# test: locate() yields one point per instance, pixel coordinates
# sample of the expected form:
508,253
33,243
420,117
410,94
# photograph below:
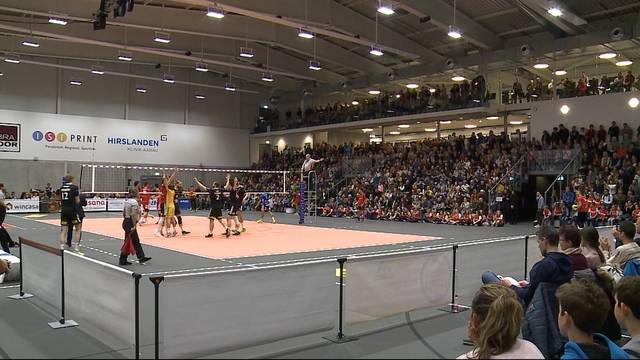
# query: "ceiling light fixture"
397,96
162,37
493,117
375,51
374,92
366,130
12,58
457,78
246,52
404,126
200,96
169,78
141,89
413,86
31,43
314,65
268,77
394,132
633,102
75,82
470,126
202,67
432,90
516,122
230,87
445,122
97,69
58,20
554,11
305,34
454,33
607,55
385,9
430,129
215,12
564,109
125,55
541,65
355,102
560,72
624,63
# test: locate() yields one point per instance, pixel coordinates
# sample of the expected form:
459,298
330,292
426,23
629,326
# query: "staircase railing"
561,177
510,171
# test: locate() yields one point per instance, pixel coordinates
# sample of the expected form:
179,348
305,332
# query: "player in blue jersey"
265,204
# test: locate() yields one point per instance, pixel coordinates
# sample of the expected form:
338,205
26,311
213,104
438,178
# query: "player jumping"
265,205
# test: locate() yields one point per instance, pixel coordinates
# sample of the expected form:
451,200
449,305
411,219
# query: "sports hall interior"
447,134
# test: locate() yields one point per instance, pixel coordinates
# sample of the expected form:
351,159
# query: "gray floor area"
428,333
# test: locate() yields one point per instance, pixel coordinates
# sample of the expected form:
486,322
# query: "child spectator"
627,311
583,308
494,326
590,246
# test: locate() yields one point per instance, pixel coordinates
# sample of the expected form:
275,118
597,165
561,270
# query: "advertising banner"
96,204
115,204
23,205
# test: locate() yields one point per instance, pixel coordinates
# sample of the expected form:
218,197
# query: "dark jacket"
540,324
555,268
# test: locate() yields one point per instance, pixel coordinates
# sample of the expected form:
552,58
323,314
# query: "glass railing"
551,160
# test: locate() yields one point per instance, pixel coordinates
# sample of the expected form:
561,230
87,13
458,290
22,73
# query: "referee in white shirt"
307,166
131,214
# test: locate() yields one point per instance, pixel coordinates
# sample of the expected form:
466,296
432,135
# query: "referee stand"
308,196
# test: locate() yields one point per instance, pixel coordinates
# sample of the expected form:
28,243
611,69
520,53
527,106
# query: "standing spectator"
583,309
494,326
629,79
614,131
540,210
627,311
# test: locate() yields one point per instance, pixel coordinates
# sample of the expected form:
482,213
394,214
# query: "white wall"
37,88
596,110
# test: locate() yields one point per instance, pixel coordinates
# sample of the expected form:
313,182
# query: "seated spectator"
569,242
555,267
583,309
590,245
494,326
626,248
627,310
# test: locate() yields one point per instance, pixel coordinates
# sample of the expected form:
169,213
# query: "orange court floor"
258,240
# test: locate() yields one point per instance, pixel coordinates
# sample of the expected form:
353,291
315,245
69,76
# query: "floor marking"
14,226
9,286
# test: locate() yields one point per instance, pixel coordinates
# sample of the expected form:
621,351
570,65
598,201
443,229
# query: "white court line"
9,286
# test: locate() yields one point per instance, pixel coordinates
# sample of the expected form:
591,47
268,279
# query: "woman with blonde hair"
494,326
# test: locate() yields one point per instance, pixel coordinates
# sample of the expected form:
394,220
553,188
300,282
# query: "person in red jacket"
546,215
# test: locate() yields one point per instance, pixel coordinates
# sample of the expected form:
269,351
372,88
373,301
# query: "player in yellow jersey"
169,205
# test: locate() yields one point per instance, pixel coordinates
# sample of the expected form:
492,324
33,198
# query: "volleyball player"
216,197
160,206
265,207
360,199
179,192
233,205
170,206
70,198
145,197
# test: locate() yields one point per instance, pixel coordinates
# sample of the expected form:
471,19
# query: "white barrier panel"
533,255
95,204
101,294
388,285
42,274
22,205
115,204
202,314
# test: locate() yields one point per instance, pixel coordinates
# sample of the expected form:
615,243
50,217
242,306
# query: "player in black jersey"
179,193
70,199
233,204
216,196
241,199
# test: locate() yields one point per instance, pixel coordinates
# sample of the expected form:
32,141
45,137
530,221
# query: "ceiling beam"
442,15
568,22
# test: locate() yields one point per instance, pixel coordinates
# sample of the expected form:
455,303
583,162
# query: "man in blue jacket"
583,310
555,267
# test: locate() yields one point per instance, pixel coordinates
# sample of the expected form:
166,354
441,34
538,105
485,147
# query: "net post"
22,294
454,307
136,280
284,181
341,337
62,323
526,255
156,284
93,178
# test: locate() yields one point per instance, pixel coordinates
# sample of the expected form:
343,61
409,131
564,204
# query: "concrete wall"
596,110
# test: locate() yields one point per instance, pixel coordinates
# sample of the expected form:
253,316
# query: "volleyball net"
104,179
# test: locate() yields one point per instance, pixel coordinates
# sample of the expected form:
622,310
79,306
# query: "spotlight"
376,51
430,129
404,126
470,126
268,77
169,78
75,82
97,69
202,67
394,132
445,122
564,109
31,43
374,92
432,90
230,87
454,32
305,34
246,52
397,96
413,86
314,65
125,55
633,102
162,37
